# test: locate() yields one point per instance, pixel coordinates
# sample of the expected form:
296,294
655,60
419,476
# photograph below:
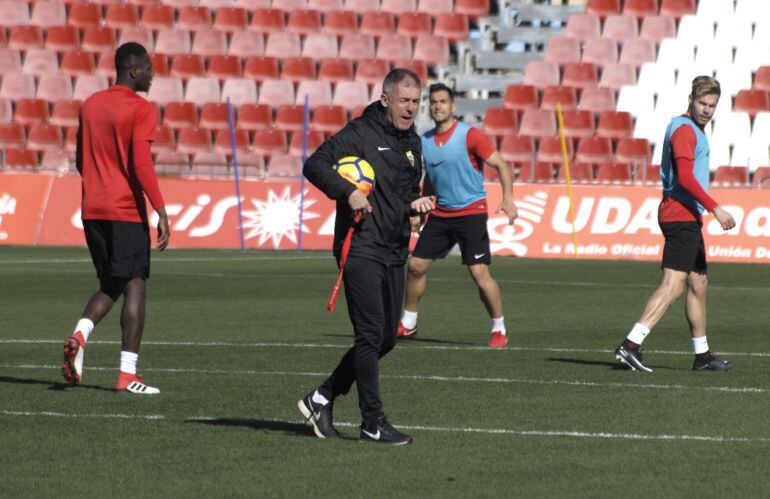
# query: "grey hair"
396,76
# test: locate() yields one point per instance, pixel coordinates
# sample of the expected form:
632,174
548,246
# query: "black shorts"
440,234
685,249
118,249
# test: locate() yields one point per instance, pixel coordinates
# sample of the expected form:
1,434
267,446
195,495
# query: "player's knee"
416,268
480,273
112,286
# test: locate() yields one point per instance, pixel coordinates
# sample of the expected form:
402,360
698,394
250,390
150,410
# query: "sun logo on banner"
507,237
277,217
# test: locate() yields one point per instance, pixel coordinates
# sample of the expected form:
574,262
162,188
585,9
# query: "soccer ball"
357,171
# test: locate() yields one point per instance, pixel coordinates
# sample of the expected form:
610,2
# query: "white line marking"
465,379
70,415
411,346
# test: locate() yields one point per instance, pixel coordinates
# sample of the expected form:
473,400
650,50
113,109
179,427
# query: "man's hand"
163,230
423,204
414,223
509,208
724,218
358,202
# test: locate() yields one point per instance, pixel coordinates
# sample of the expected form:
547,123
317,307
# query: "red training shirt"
114,158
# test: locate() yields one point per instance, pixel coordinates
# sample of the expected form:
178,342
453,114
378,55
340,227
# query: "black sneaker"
632,357
320,416
384,433
710,362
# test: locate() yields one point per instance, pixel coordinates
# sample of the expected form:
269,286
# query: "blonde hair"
705,85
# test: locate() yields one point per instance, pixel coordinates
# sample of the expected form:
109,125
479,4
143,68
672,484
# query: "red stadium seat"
170,162
173,42
351,94
202,90
254,117
158,16
762,79
357,47
656,28
14,12
521,97
62,39
17,86
290,5
581,173
12,135
84,15
56,161
298,69
536,172
48,14
518,149
562,50
378,24
615,125
276,93
319,93
65,113
394,47
326,6
186,66
70,140
413,24
538,123
419,67
89,84
617,76
313,141
550,151
121,16
677,8
194,19
179,115
566,96
245,44
398,7
597,100
138,34
601,51
193,140
25,38
603,8
44,137
578,123
583,27
620,28
580,75
269,141
282,45
434,50
303,22
640,8
340,23
261,68
752,102
633,151
22,159
594,150
335,70
223,143
499,122
435,7
40,61
164,139
452,26
731,176
240,91
472,8
52,87
761,177
542,74
6,111
225,66
362,5
283,165
638,52
268,21
160,65
99,39
231,19
10,61
214,116
320,46
208,43
372,71
165,89
614,173
328,119
31,112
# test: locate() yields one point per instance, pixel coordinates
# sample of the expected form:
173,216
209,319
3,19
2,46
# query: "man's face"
702,108
442,109
142,74
401,107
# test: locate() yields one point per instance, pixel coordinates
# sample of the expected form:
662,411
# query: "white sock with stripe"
128,362
84,326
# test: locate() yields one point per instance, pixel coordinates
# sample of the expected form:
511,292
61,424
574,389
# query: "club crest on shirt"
410,157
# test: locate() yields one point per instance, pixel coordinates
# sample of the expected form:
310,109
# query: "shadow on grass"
52,385
291,429
413,340
617,366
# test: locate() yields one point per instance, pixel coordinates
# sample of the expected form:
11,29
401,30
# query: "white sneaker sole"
633,368
309,418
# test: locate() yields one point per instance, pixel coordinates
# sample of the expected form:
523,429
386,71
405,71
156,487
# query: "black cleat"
320,416
710,363
384,433
632,358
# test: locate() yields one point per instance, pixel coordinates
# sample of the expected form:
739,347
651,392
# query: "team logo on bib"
410,157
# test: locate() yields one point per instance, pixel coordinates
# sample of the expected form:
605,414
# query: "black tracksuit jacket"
396,157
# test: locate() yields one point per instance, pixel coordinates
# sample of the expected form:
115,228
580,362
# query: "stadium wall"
612,222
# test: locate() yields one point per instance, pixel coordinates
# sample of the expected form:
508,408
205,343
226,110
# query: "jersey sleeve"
478,144
683,142
145,123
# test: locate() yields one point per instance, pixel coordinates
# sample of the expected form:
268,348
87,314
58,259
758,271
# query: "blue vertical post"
231,125
305,126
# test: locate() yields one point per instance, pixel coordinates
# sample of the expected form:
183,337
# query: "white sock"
128,362
498,325
638,333
700,345
85,326
319,399
409,319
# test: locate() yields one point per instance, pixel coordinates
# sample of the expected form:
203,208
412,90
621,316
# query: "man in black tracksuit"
374,272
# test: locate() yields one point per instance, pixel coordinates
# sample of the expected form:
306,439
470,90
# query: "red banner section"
610,222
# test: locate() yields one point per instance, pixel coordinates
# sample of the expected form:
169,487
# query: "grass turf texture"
556,418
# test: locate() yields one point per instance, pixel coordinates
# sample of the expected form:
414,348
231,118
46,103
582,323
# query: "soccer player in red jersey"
114,159
685,175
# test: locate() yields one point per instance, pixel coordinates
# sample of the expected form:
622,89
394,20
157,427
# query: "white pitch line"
541,433
70,415
411,346
461,379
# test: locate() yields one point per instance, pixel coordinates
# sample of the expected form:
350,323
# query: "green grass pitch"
233,341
